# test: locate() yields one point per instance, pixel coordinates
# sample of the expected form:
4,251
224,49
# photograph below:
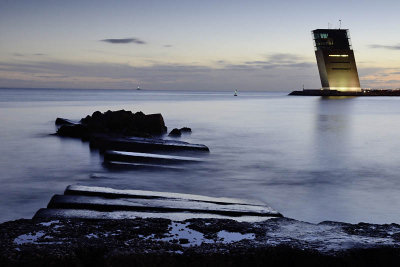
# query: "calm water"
311,158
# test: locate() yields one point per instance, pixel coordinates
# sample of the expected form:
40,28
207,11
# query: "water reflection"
332,133
331,157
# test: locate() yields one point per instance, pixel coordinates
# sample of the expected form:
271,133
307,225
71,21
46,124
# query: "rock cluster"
178,132
119,122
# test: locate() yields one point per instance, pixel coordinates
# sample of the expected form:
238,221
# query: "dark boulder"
155,124
178,132
175,133
186,130
78,131
62,121
119,122
125,122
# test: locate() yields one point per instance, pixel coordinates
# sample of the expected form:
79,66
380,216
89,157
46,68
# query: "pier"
317,92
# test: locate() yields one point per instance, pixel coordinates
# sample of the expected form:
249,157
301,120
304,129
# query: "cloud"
276,61
366,71
240,67
283,58
24,55
112,70
53,76
273,73
301,65
257,62
377,71
393,81
379,77
390,47
124,41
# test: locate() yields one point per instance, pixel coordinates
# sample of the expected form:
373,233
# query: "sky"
190,45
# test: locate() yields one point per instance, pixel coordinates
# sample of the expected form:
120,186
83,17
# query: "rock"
93,202
119,122
183,241
135,157
186,130
178,132
175,133
145,145
154,123
62,121
197,242
78,131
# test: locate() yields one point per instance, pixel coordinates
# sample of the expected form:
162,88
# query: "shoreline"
151,241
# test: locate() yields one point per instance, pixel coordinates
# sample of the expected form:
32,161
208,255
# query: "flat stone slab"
156,205
138,144
108,203
205,242
120,165
136,157
129,193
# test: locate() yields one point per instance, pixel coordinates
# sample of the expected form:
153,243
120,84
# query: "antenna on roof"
340,23
329,25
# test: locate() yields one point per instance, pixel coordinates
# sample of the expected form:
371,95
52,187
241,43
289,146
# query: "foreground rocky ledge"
198,242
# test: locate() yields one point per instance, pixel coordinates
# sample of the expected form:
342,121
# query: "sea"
311,158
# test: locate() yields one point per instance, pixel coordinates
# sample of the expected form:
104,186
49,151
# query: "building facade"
335,59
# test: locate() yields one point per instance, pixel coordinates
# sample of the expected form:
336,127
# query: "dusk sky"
189,45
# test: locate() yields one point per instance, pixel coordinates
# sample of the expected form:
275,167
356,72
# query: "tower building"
335,59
